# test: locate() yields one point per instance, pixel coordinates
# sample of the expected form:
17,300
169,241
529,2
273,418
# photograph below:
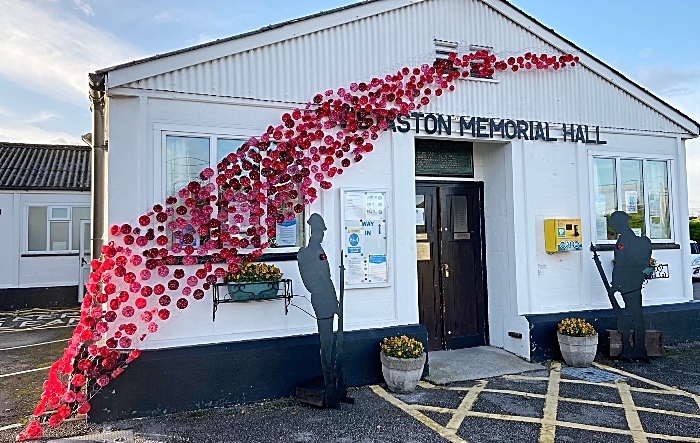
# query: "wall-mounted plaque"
444,158
423,250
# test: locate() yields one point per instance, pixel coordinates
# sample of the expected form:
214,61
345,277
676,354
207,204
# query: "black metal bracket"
285,292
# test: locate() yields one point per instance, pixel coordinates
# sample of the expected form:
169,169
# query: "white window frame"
213,134
50,209
49,219
644,158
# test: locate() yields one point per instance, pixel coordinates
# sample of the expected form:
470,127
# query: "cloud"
681,89
667,80
204,38
52,52
33,134
40,117
84,7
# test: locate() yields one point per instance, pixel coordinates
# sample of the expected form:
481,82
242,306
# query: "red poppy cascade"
151,271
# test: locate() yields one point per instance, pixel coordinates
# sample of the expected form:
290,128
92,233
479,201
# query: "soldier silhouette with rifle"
316,275
632,255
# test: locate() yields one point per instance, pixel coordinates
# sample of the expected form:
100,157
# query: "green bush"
695,230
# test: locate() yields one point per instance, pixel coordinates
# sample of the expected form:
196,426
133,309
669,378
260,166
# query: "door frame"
451,182
82,257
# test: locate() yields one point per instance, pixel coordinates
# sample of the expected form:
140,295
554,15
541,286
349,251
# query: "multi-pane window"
187,156
638,187
55,228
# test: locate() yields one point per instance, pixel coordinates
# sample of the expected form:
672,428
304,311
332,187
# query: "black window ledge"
51,254
654,246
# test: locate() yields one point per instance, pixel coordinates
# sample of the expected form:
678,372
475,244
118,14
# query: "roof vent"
475,65
443,48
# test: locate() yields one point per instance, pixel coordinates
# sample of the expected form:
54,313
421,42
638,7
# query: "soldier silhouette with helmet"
632,255
316,275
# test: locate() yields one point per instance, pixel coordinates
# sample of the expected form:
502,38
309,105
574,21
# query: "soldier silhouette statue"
632,256
316,274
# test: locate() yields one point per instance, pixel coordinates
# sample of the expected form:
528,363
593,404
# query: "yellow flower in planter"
402,347
576,327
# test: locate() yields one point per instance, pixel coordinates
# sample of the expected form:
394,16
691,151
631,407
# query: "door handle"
446,269
83,262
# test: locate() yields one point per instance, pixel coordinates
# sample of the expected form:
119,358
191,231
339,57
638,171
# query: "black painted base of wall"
198,377
678,323
48,297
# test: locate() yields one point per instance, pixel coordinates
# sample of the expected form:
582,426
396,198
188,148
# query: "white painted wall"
135,163
524,183
18,267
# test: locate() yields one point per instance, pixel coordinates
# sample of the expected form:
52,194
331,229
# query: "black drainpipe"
99,162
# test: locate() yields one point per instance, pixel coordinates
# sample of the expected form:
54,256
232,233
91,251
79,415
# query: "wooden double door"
451,273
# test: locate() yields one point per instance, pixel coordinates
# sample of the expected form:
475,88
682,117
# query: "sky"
47,48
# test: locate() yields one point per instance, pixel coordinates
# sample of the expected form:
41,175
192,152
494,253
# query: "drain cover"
126,436
590,374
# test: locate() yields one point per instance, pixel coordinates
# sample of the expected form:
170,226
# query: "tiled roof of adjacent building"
44,167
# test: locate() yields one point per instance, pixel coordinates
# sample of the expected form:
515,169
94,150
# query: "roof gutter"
99,162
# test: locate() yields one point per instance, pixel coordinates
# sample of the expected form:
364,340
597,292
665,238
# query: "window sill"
50,254
270,256
654,246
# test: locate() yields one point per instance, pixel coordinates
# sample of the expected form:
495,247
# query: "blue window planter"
253,291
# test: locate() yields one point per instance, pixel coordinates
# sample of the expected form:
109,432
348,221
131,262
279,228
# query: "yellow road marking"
551,403
434,409
633,421
650,382
448,434
466,405
668,391
428,385
548,423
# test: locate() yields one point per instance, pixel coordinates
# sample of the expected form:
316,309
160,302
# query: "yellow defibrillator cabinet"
562,234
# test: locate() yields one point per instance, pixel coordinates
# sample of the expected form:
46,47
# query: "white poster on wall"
601,228
654,204
364,240
420,216
355,206
376,268
287,233
375,206
631,201
600,204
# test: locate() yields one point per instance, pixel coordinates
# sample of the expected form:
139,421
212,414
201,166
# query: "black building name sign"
492,128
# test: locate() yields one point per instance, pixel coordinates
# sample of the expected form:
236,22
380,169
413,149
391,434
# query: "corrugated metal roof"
44,167
247,74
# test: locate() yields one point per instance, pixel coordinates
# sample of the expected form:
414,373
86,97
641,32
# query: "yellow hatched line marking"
413,411
466,405
593,402
584,427
518,393
428,385
434,409
551,403
667,391
549,421
650,382
633,421
674,438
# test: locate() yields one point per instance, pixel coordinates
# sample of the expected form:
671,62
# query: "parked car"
694,260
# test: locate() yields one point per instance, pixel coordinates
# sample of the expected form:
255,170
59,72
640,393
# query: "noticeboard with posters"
364,215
